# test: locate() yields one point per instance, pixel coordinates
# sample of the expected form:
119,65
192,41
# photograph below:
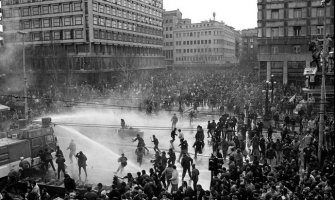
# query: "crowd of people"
258,163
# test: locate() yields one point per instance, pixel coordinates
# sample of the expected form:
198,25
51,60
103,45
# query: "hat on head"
21,158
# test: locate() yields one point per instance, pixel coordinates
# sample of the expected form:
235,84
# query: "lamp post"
266,115
24,74
323,83
272,87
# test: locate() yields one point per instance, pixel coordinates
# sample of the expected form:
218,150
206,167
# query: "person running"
156,142
174,121
140,153
123,163
72,147
82,163
197,148
140,143
173,134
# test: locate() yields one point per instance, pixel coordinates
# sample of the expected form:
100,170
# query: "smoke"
11,68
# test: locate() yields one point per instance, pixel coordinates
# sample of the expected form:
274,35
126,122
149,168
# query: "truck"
25,141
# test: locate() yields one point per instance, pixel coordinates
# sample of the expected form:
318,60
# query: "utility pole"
323,62
24,74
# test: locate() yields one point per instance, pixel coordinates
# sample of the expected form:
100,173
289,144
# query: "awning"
3,108
310,71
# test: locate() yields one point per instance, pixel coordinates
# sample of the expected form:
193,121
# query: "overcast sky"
240,14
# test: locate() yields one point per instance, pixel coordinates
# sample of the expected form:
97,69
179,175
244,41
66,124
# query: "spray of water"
101,163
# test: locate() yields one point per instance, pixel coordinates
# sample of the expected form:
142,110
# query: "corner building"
170,21
96,38
205,44
285,27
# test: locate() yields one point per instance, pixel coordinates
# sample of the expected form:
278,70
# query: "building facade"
285,27
170,21
249,49
95,38
209,43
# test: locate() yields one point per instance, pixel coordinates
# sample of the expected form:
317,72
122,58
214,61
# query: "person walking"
167,172
48,158
72,147
270,132
174,121
270,156
197,148
60,161
183,148
195,176
82,163
172,157
186,163
174,180
123,163
156,142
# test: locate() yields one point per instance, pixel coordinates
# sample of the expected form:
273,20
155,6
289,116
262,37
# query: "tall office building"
285,27
94,38
170,21
204,44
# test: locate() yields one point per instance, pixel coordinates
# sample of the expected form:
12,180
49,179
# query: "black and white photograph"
167,100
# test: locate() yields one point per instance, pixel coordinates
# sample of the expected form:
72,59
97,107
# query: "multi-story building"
170,21
209,43
285,27
249,49
94,38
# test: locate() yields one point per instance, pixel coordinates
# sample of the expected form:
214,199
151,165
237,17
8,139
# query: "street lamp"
24,74
266,114
272,87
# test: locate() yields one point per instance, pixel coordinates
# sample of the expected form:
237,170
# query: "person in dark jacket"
59,152
186,163
60,161
172,157
48,158
199,193
90,195
69,184
173,134
82,163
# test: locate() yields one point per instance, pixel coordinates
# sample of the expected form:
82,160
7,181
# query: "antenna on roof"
214,14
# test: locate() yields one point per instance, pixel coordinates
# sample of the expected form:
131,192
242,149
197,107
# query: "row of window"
52,35
42,10
291,31
105,8
116,36
296,13
204,33
195,42
155,3
276,49
50,22
179,43
201,58
127,3
205,50
131,15
112,23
